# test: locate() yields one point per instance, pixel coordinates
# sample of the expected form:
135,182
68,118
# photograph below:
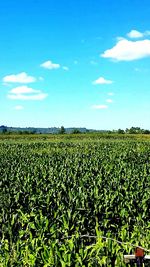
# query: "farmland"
65,199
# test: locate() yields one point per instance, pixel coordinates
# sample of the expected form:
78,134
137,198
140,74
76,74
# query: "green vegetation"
62,130
55,130
57,192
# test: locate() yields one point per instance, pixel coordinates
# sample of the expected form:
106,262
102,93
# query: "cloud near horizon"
99,107
109,100
126,50
22,77
110,93
102,80
18,107
26,93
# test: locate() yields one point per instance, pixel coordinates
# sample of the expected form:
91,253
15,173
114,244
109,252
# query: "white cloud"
65,68
102,80
99,107
135,34
50,65
41,78
19,78
111,93
126,50
23,90
26,93
109,100
18,107
40,96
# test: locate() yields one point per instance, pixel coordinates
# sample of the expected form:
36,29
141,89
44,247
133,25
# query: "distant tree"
76,131
120,131
4,131
62,130
3,128
146,131
33,131
26,132
134,130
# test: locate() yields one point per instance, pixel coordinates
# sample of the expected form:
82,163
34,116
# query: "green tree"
3,129
62,130
120,131
76,131
135,130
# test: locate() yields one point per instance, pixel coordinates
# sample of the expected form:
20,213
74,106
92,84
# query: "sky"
76,63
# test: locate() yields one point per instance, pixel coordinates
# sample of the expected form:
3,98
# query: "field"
66,200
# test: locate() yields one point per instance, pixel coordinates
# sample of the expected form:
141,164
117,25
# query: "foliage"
75,131
137,130
120,131
58,193
62,130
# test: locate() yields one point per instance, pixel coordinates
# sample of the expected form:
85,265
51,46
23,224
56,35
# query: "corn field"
65,201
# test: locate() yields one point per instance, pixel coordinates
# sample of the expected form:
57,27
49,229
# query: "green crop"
64,202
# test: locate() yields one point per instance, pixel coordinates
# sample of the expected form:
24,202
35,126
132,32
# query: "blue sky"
83,63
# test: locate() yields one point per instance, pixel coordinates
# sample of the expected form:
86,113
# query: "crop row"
58,199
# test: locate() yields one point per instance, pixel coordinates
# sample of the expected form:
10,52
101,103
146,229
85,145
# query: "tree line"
63,130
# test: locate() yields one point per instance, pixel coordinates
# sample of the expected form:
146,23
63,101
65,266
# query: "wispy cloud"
75,62
93,62
65,68
22,77
18,107
40,96
41,78
142,69
111,93
102,80
126,50
137,69
109,100
50,65
26,93
99,107
134,34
